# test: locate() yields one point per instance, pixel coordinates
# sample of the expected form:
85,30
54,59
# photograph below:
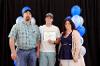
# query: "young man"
25,35
49,36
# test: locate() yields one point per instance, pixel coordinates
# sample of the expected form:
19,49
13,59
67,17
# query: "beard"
27,18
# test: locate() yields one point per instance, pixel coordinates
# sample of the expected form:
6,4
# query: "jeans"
26,57
47,58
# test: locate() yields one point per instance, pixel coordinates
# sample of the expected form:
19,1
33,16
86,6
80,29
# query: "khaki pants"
72,63
66,63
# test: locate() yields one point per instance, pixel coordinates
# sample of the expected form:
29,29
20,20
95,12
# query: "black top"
66,47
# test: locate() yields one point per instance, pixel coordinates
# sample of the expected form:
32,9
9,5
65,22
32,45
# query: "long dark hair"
72,25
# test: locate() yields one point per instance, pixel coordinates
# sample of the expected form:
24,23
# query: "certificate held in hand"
50,35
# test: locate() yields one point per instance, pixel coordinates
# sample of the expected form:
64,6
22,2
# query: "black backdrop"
10,10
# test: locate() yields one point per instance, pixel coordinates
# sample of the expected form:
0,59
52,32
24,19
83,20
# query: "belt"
26,49
66,44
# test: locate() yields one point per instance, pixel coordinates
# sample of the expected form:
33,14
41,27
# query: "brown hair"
72,25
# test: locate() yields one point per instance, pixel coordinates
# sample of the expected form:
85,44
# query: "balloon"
14,63
75,10
68,17
82,50
19,19
77,20
33,21
82,40
81,30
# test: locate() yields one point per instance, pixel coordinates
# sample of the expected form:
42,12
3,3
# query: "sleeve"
13,32
38,33
77,39
58,33
77,44
40,29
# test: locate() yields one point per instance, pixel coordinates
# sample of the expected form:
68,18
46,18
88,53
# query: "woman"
69,53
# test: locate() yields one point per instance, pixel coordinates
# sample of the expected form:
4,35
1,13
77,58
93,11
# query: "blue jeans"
47,58
26,57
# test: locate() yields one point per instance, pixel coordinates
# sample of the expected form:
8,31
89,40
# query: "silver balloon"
83,50
77,20
19,19
33,21
82,40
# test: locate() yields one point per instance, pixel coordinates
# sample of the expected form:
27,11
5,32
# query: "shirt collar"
27,23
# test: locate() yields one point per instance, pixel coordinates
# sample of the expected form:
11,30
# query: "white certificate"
49,36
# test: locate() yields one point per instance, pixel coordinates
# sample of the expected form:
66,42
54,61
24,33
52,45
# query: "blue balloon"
14,63
68,17
75,10
81,30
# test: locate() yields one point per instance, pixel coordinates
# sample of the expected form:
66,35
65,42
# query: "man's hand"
37,54
12,48
54,42
38,49
13,55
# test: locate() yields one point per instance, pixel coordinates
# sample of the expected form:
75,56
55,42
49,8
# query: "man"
49,36
25,35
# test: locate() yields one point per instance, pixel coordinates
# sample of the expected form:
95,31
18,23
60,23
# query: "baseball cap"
25,9
49,14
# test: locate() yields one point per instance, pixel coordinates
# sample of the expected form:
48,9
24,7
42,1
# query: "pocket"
33,32
21,32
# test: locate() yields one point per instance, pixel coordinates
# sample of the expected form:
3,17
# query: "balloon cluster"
78,21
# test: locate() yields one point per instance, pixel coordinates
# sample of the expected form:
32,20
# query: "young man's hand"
50,41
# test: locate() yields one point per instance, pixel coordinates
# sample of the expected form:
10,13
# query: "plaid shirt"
25,34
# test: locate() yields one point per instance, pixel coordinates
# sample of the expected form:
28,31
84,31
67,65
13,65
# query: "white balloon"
77,20
82,50
82,40
19,19
33,21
